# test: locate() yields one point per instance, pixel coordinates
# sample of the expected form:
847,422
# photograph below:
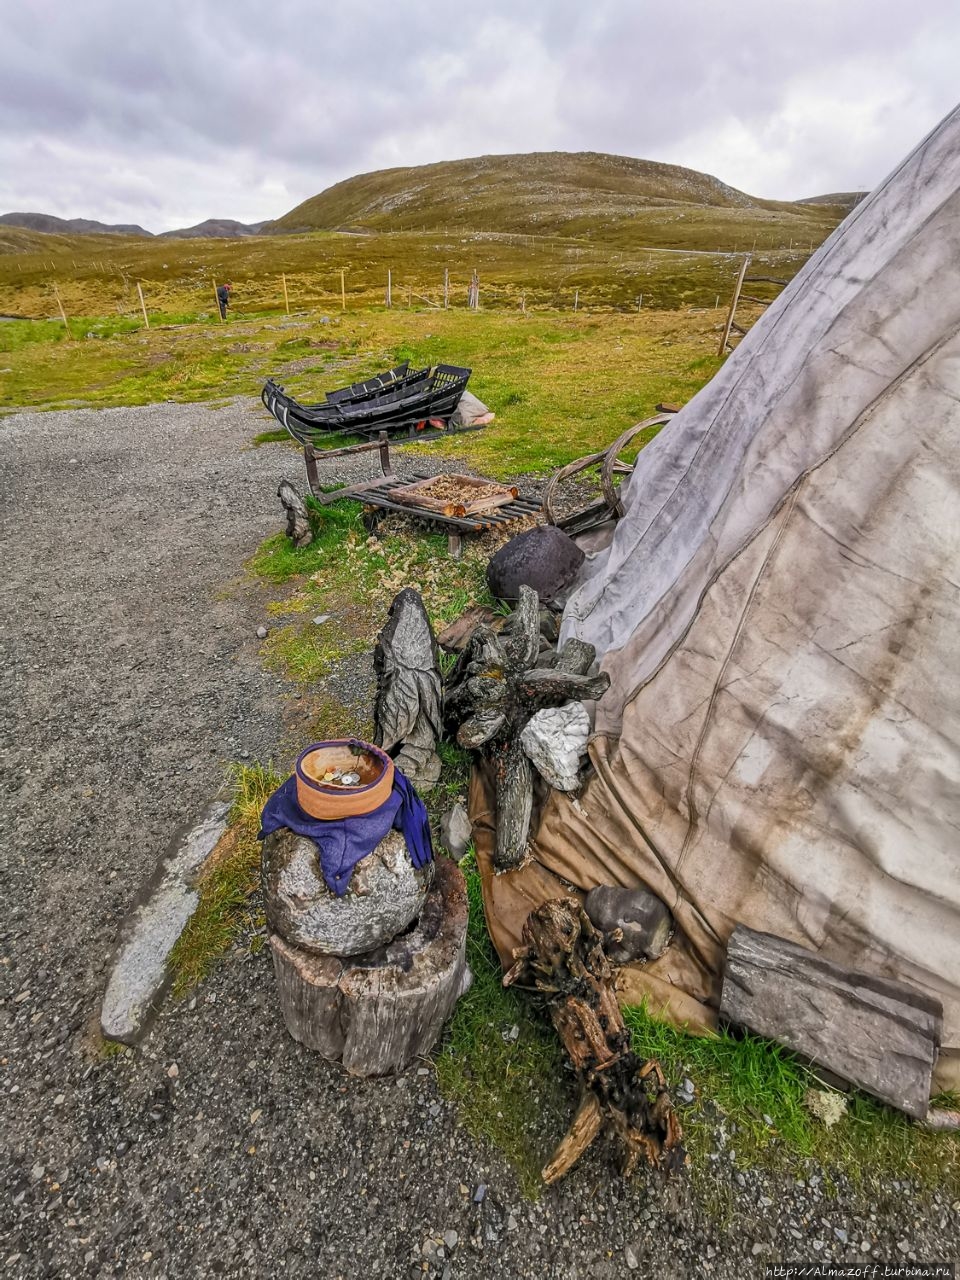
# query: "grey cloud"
172,112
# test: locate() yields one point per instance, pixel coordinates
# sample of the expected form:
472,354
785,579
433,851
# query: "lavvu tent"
779,613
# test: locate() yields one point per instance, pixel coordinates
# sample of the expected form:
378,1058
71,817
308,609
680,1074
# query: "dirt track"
130,676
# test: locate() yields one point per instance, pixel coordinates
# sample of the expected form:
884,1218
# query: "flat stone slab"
141,965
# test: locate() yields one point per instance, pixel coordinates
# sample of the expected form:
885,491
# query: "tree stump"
563,957
376,1013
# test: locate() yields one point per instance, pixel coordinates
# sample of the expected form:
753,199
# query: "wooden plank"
881,1035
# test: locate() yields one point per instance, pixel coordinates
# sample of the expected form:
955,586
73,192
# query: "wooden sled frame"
609,507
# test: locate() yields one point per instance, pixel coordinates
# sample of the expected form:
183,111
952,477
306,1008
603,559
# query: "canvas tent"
779,615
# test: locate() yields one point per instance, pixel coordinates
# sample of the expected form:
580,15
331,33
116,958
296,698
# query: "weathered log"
379,1012
563,957
298,518
455,637
494,689
872,1031
407,709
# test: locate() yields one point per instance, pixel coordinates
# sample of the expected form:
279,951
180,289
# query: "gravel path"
130,676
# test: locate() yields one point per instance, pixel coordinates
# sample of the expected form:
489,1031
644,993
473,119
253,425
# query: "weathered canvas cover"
779,615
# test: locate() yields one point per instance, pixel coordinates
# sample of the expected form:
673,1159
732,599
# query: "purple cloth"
344,841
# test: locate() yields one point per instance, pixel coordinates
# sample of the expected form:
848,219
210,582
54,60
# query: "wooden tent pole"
733,306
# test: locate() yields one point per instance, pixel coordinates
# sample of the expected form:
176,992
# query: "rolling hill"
213,229
551,193
51,225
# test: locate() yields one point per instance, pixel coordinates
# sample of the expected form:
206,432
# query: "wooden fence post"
343,291
286,300
733,305
63,314
576,299
143,305
389,288
446,288
640,302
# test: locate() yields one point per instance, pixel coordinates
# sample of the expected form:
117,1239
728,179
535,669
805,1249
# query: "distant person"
223,297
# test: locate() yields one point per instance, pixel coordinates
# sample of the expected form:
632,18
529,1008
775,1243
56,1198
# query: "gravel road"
130,676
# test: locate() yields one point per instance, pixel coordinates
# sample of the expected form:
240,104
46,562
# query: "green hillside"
586,195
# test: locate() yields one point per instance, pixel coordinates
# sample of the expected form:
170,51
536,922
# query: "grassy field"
673,258
561,384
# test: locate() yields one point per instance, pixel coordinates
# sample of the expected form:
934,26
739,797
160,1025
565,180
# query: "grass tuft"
224,912
751,1091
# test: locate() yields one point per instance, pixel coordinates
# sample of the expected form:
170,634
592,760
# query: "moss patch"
225,912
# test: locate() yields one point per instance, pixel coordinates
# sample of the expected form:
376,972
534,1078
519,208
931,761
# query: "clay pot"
327,802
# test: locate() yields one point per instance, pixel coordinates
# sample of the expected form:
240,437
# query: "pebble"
630,1258
173,1071
480,1193
321,618
262,633
451,1239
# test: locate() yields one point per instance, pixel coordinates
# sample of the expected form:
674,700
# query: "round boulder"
544,558
386,893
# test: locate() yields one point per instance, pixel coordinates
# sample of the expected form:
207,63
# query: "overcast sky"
177,110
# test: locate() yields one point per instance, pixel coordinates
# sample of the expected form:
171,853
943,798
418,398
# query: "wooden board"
878,1034
418,494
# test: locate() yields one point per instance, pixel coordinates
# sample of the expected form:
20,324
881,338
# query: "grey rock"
451,1239
555,741
645,921
385,893
262,633
630,1258
480,1194
140,971
456,831
544,558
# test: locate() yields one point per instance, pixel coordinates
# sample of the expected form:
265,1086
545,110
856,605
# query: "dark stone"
643,918
544,558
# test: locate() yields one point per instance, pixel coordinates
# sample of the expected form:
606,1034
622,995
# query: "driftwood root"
562,956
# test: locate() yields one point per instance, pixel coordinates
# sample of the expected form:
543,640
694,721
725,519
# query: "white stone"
555,739
141,968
